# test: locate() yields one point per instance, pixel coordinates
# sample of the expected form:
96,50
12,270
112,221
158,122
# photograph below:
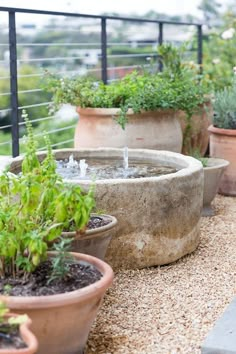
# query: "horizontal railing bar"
51,131
35,105
57,144
5,143
5,126
30,91
38,120
5,110
131,55
50,59
78,44
73,14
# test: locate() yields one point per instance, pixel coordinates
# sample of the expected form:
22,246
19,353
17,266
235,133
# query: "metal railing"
105,69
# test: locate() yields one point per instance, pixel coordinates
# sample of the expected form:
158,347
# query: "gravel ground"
170,309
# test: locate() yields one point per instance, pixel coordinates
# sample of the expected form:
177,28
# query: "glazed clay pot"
27,336
94,241
212,177
158,130
62,322
223,145
197,138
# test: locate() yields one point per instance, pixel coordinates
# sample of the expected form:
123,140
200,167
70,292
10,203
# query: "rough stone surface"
222,339
158,217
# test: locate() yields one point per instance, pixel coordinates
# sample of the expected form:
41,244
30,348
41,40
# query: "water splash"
83,168
126,158
72,163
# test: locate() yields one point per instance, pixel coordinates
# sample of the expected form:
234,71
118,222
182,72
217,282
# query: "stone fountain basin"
158,217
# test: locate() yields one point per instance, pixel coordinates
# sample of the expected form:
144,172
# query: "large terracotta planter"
95,241
158,130
196,137
62,322
27,336
212,177
223,145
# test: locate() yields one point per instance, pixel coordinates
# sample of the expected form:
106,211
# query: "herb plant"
30,218
178,87
224,106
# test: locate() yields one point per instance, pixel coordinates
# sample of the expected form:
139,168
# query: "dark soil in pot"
97,221
38,283
10,337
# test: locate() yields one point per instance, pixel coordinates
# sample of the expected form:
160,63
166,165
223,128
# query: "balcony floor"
170,309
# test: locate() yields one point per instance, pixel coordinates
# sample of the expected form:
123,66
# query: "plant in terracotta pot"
195,108
213,172
15,335
60,291
144,104
223,135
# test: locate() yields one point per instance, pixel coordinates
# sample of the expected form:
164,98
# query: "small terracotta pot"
95,241
27,336
62,322
212,176
197,138
158,130
223,145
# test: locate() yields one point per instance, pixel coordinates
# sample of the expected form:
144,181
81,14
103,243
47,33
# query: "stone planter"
159,130
212,176
62,322
27,336
197,137
223,145
95,241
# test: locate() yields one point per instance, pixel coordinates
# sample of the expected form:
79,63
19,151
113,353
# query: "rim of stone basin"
187,164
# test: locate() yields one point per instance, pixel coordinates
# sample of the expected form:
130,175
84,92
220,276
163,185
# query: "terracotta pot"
95,241
223,145
27,336
158,130
62,322
212,176
197,138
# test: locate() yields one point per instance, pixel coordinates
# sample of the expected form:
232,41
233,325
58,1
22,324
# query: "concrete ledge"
4,161
222,338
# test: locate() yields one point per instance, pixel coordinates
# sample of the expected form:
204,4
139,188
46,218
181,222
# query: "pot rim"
222,163
90,111
221,131
68,298
93,232
27,336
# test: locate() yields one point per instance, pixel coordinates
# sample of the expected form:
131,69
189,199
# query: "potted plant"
15,335
194,107
213,171
144,103
223,135
60,291
96,235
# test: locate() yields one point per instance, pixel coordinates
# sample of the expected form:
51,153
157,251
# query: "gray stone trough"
158,217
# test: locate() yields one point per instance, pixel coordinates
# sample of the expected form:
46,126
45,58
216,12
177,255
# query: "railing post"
13,85
160,41
199,46
104,49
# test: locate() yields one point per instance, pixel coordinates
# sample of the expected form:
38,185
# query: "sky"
171,7
122,7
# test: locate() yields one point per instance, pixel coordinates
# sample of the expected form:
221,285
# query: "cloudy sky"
97,6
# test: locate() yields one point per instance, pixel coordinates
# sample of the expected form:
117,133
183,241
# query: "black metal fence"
108,62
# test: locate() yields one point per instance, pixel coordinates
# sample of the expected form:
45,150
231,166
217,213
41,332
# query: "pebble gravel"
170,309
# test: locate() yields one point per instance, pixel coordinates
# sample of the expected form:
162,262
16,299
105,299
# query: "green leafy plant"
224,106
12,320
178,87
197,155
29,215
